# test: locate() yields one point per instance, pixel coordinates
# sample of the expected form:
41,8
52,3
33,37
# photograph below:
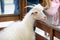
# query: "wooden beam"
56,34
9,17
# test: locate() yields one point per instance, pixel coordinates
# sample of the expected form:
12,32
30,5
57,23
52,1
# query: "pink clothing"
54,6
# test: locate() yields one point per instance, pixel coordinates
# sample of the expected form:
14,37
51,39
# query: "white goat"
23,30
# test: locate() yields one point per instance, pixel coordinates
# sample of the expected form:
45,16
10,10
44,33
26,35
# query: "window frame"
11,17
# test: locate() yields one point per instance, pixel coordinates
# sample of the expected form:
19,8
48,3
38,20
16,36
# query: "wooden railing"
52,30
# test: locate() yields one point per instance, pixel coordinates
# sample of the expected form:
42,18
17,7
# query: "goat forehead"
35,10
39,7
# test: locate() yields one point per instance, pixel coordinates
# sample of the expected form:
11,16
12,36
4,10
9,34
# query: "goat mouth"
43,19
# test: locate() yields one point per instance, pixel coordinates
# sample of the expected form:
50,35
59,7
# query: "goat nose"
45,17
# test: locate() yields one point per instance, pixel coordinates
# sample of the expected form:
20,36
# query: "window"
30,2
9,7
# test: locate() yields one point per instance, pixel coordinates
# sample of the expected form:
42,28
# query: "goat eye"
36,12
32,13
43,11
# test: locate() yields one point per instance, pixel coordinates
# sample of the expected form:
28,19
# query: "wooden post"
22,9
51,35
59,15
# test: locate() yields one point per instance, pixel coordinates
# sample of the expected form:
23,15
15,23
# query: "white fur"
23,30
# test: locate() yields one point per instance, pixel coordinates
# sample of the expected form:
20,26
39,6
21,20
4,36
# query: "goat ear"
34,13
